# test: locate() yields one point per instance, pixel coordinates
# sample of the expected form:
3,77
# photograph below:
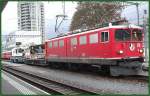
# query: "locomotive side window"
104,36
93,38
61,43
136,35
55,43
82,40
74,41
122,35
50,44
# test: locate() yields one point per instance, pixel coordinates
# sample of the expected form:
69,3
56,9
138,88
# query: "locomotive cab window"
39,48
74,41
104,36
82,40
136,35
93,38
122,35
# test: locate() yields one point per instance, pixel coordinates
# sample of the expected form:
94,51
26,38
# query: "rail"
50,86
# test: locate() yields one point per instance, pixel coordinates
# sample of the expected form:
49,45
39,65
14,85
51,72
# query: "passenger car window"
74,41
82,40
104,36
61,43
93,38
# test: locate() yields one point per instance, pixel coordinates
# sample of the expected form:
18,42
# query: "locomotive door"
72,47
105,45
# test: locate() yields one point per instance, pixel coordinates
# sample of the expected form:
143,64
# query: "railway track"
141,78
49,86
97,73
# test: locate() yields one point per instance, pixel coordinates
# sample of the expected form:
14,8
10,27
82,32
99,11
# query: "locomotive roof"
94,30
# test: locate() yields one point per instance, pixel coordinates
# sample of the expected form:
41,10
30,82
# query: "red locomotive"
6,55
118,49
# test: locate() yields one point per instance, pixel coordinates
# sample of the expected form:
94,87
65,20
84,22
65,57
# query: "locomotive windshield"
36,49
127,35
122,35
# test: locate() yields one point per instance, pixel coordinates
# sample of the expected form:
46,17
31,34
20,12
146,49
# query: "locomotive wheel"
64,65
14,61
105,70
73,66
52,65
26,62
69,66
55,65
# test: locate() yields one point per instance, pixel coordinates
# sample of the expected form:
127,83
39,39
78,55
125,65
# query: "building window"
61,43
82,40
55,44
74,41
50,44
93,38
104,36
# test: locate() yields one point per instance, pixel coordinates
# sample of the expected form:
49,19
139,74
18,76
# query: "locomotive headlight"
120,52
141,50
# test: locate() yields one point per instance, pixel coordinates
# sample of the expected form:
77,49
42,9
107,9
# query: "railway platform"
12,85
89,82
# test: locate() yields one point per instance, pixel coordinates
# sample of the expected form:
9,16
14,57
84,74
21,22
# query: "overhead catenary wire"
63,16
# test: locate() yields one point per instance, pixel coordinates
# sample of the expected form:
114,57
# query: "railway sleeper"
57,88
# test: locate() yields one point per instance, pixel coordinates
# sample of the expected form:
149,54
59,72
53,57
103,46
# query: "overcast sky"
9,14
53,8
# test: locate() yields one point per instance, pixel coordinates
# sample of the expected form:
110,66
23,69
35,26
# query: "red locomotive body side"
94,50
79,51
94,46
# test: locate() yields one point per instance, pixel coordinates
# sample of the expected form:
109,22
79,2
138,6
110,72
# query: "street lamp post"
146,34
